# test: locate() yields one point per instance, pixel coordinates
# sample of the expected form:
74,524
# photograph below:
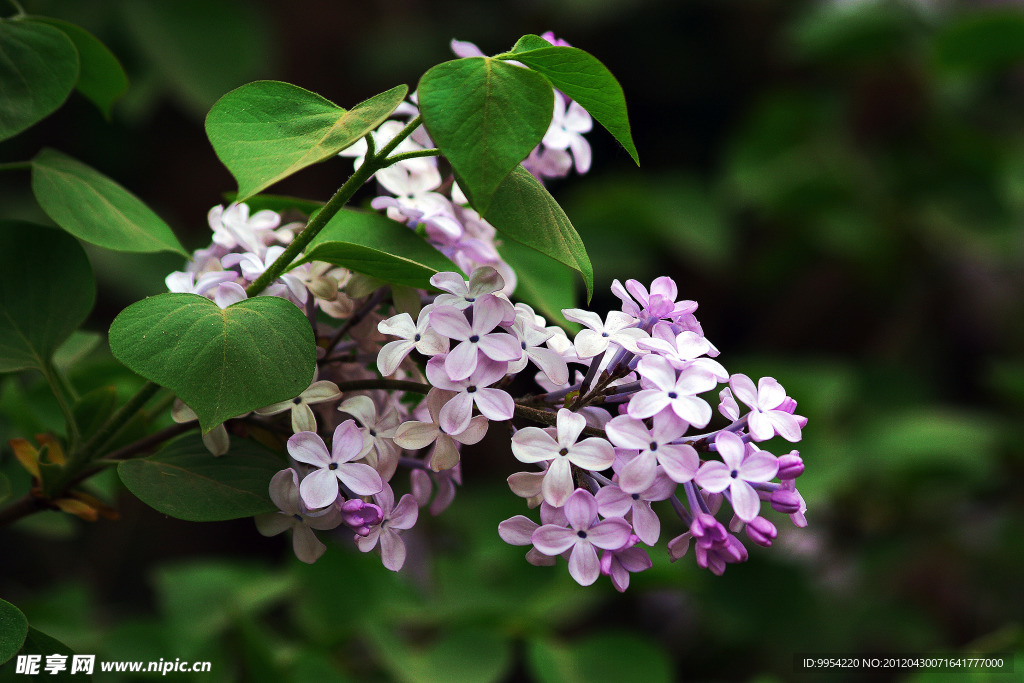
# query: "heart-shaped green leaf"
375,245
96,209
486,116
101,79
13,629
221,362
46,291
524,211
184,481
267,130
582,77
38,70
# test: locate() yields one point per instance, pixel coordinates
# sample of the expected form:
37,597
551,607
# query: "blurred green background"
841,187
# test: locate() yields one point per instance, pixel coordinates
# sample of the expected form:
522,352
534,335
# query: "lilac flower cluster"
616,454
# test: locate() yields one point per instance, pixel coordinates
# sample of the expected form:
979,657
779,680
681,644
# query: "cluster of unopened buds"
618,439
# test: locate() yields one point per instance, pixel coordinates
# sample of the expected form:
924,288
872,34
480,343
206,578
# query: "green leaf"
524,211
96,209
486,116
100,78
220,362
13,629
582,77
38,70
267,130
462,654
545,284
38,643
184,481
78,346
46,291
375,245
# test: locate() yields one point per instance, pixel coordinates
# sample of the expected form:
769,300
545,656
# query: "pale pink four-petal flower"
738,470
320,487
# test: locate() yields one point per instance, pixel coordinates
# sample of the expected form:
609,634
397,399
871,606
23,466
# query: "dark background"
841,187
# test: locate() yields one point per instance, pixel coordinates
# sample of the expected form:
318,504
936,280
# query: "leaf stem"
69,416
16,166
371,165
392,384
433,152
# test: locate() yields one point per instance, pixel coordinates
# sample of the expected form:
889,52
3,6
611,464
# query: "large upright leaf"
221,362
184,481
96,209
486,116
101,79
524,211
38,70
267,130
582,77
374,245
46,291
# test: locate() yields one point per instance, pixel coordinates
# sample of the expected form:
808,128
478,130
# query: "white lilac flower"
396,518
303,419
420,336
284,491
682,350
476,389
655,447
519,530
738,470
584,536
234,227
568,123
766,419
186,282
229,293
664,390
617,327
253,265
558,447
320,487
476,339
414,435
380,430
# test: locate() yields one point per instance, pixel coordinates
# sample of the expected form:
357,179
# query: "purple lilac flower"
740,468
494,404
612,501
617,327
395,518
680,461
359,515
419,336
476,338
414,434
584,536
619,564
320,487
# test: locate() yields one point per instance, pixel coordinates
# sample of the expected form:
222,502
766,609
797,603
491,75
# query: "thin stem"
589,377
69,416
23,507
371,165
16,166
433,152
369,306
